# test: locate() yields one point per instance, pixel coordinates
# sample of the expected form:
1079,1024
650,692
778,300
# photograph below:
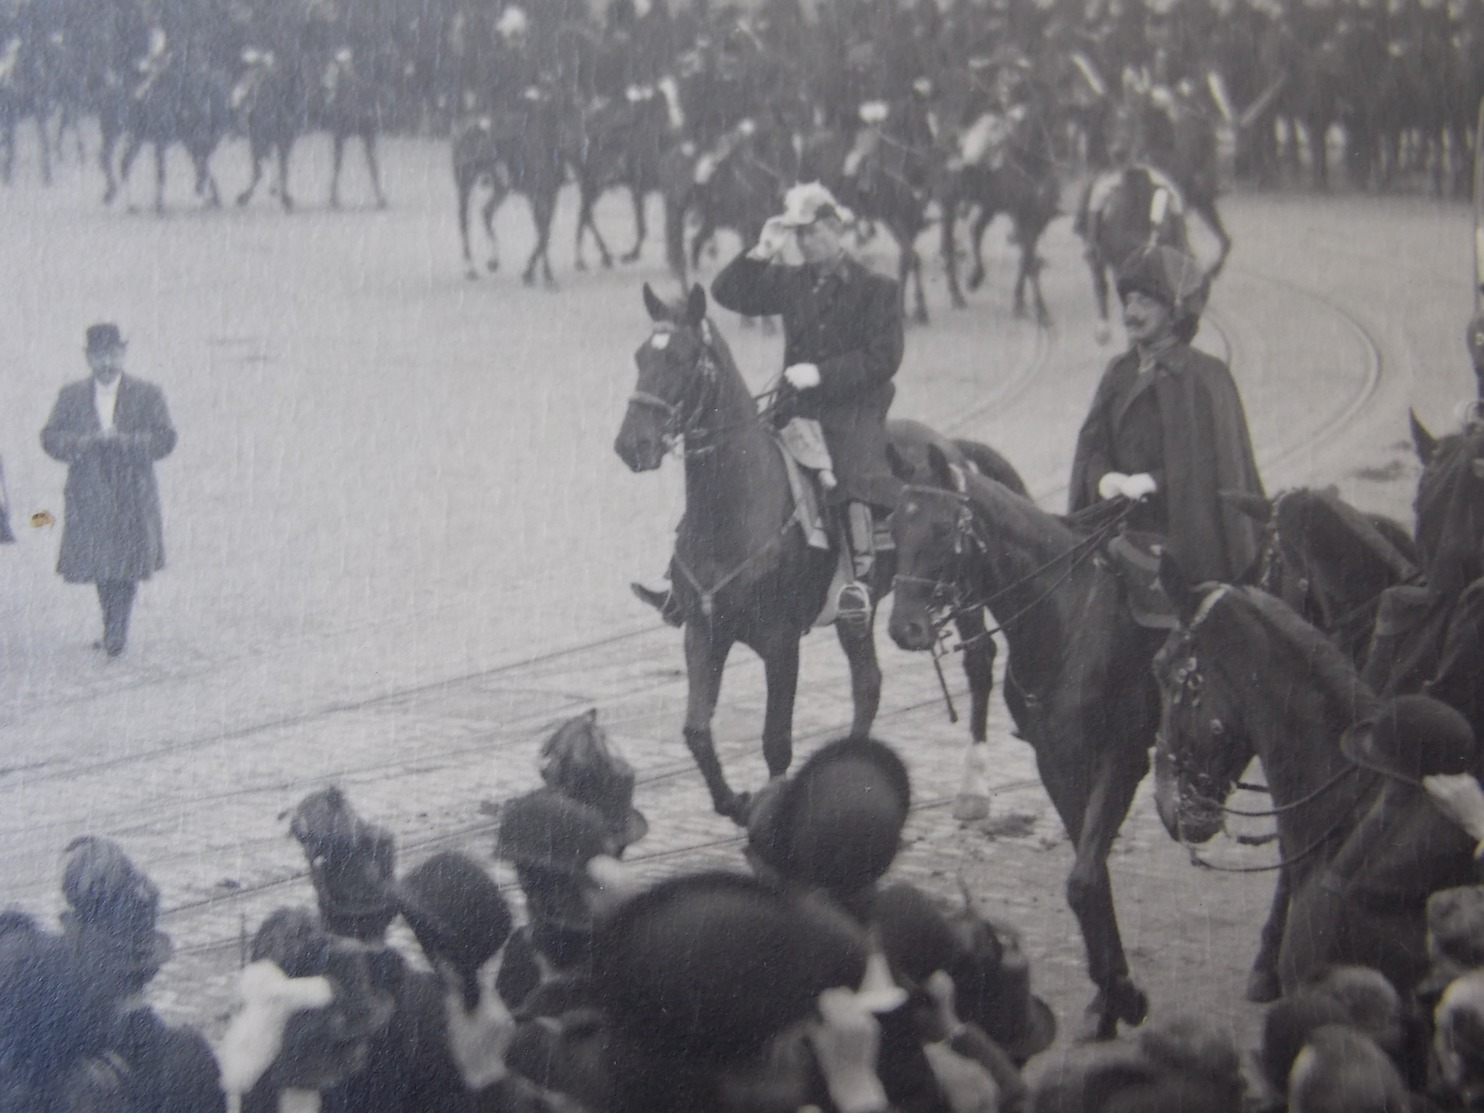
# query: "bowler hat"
1167,275
113,909
835,824
578,761
1474,338
351,863
707,968
1455,936
551,830
457,913
103,335
1411,737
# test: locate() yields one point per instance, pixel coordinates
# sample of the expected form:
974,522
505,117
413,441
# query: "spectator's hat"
549,830
51,1014
705,969
113,910
457,913
1341,1070
1167,275
1411,737
1455,936
1372,1001
1286,1029
578,761
1458,1037
351,863
102,336
808,202
836,824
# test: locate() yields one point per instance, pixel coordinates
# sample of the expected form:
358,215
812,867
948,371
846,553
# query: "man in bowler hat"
110,430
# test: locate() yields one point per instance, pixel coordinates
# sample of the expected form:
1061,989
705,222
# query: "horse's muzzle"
913,632
641,454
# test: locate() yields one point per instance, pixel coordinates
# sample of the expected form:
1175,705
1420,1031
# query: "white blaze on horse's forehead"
660,340
911,508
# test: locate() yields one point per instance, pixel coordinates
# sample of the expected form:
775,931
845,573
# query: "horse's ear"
1177,587
1422,438
1254,507
943,471
901,468
695,305
658,311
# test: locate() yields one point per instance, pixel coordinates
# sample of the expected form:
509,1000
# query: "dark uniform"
848,323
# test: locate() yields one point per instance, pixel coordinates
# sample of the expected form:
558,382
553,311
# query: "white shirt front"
106,400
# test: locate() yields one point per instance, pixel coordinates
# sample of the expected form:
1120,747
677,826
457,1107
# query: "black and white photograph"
773,555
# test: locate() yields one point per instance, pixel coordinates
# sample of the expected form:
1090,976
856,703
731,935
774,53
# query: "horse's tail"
992,464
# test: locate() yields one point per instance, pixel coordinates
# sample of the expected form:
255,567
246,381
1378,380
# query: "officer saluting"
842,346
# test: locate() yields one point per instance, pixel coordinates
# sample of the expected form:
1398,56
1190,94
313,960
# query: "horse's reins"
683,426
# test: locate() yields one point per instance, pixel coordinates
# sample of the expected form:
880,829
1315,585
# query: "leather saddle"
1134,556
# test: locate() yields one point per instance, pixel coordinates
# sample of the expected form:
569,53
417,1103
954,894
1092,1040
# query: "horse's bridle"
682,422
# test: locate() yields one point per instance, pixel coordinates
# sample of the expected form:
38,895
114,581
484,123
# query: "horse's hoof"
334,203
471,272
629,258
381,203
607,262
960,303
528,279
971,808
1103,334
1018,312
1123,1002
921,317
492,266
242,200
1263,987
288,204
1043,319
974,282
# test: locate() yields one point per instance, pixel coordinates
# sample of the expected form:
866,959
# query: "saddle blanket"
1134,556
808,508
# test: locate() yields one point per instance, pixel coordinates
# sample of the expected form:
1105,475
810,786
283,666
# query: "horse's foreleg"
781,669
641,227
284,198
1115,778
705,658
106,147
1208,212
948,248
1263,986
337,157
1100,292
160,152
859,644
45,143
972,801
541,213
368,141
977,227
256,156
487,217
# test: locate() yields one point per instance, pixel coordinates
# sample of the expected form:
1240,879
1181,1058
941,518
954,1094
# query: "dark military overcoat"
849,324
112,529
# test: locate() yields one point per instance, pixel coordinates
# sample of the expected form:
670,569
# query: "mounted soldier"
842,346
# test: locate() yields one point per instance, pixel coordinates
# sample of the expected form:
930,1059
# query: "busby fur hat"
113,909
578,761
351,863
457,913
1168,275
836,824
1411,737
706,969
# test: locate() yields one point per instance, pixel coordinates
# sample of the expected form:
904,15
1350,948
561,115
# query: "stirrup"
853,605
663,600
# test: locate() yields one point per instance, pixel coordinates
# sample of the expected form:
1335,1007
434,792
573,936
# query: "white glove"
772,240
478,1038
1111,485
1139,486
802,376
1461,800
847,1040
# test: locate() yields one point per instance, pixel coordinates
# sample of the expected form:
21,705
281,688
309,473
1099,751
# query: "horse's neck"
1020,563
1296,731
728,497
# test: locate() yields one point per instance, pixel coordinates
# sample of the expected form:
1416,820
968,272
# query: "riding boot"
853,604
663,600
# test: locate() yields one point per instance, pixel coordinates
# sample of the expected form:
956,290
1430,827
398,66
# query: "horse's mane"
1327,665
1354,521
1024,504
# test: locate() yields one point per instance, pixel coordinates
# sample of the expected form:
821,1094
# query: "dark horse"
272,108
890,175
1245,676
1122,218
743,570
348,105
513,152
1329,562
181,102
1434,642
25,90
1016,177
621,144
1077,684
